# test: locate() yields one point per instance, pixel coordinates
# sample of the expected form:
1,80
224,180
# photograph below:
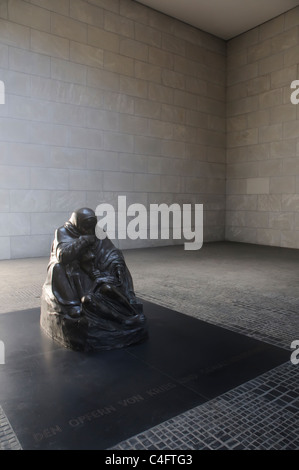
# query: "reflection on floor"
248,289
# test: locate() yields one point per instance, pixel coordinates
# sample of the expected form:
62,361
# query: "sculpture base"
89,333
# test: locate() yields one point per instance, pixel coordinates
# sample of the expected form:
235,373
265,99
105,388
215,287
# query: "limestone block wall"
105,98
263,134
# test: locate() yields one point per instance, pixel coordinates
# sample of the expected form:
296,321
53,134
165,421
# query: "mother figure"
88,300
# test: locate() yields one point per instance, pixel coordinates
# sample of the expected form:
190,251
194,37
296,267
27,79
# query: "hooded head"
84,220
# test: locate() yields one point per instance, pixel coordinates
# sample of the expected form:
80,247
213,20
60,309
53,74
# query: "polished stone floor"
247,289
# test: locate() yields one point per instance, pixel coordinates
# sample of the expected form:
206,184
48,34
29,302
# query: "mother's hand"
88,239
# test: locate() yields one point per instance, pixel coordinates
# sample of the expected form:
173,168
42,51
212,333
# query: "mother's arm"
70,250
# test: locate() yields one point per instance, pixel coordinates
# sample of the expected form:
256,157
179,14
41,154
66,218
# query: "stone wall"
105,98
263,134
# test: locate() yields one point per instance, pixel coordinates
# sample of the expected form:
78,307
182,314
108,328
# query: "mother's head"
84,220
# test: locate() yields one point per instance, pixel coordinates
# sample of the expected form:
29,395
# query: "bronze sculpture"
88,300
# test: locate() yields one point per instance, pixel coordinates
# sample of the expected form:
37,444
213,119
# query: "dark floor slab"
60,399
204,357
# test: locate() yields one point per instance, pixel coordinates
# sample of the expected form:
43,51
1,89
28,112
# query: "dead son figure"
88,299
